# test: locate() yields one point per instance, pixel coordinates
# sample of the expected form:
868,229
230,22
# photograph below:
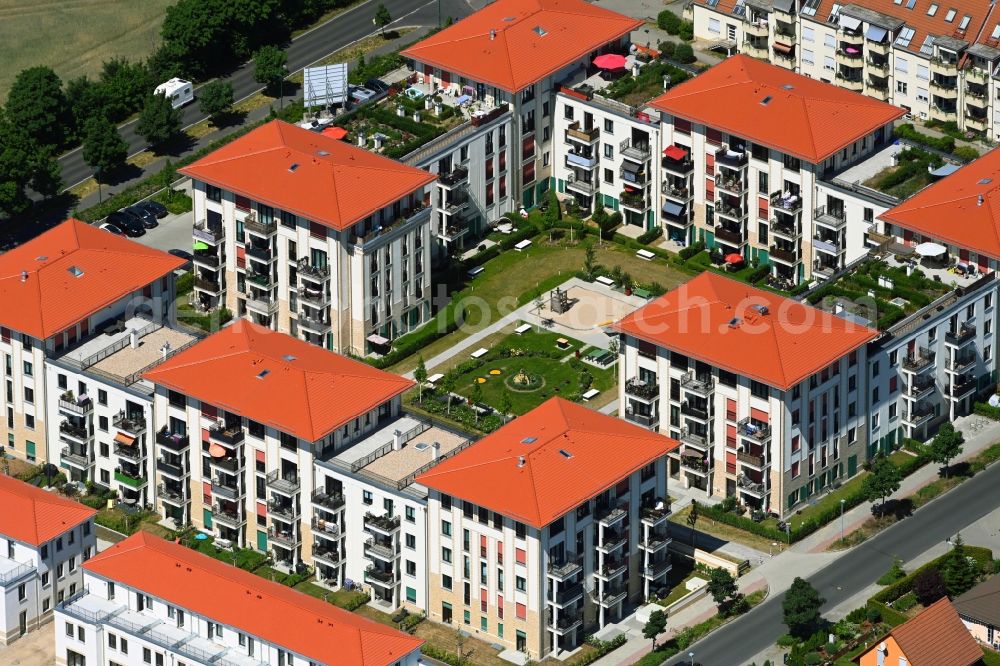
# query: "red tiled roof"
303,172
565,447
713,319
769,105
512,44
277,614
278,380
34,516
937,637
950,209
50,298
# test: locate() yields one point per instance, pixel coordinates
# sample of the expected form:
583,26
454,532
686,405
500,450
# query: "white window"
829,40
950,16
923,73
807,57
828,63
996,32
902,65
965,22
932,10
996,117
901,87
808,34
922,95
714,25
875,421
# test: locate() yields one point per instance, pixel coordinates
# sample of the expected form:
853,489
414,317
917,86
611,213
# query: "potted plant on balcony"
627,284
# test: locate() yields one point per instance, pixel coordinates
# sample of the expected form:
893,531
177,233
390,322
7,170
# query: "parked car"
127,222
154,207
111,229
362,95
185,255
378,85
148,219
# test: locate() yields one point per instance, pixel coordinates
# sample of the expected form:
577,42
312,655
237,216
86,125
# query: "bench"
641,293
592,393
606,281
435,378
645,254
473,272
479,353
522,329
522,245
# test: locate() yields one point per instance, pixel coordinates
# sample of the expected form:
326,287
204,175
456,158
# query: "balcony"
609,516
694,439
962,387
379,551
380,577
961,337
454,178
316,298
172,441
682,194
230,464
681,167
657,569
877,48
208,285
977,123
133,424
702,385
566,622
693,411
694,464
947,68
830,218
76,406
634,200
612,567
879,68
326,528
961,362
754,431
655,541
611,540
130,452
783,255
206,258
285,484
170,495
288,538
317,325
755,460
74,433
381,524
849,58
230,435
262,304
920,386
918,415
256,226
751,487
922,360
877,89
827,245
452,232
228,517
262,280
315,273
327,555
260,253
943,113
755,48
208,234
850,81
642,390
734,159
133,481
636,151
579,185
611,595
456,203
567,594
226,489
645,420
785,231
581,161
636,177
735,186
945,88
587,136
76,458
329,501
566,568
728,235
723,209
759,28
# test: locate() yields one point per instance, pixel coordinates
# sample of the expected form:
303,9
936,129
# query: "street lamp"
842,520
691,657
97,177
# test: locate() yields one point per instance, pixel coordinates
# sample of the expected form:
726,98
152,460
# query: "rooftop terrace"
628,92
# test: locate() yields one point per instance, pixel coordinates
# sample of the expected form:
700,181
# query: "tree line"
44,116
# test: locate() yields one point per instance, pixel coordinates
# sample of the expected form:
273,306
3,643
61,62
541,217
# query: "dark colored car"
185,255
148,218
111,229
378,85
127,222
154,207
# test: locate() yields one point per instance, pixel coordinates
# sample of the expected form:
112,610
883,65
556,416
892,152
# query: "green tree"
946,445
86,99
800,609
692,519
103,148
959,571
125,86
476,398
722,587
159,120
215,99
655,625
420,375
882,481
447,385
269,66
23,163
668,21
684,53
382,18
505,403
37,105
589,261
928,586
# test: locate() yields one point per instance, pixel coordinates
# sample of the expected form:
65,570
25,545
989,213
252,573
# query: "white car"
110,228
362,95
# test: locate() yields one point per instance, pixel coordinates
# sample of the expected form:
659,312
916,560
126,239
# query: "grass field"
76,36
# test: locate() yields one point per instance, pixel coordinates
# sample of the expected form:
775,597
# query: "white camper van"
178,91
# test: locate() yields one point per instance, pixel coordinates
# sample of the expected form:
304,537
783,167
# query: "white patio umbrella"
930,249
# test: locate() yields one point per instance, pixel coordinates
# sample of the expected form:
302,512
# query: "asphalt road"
738,642
307,48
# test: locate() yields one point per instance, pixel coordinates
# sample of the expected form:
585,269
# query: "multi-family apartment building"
59,291
937,60
150,601
767,395
44,541
512,56
747,151
313,237
538,537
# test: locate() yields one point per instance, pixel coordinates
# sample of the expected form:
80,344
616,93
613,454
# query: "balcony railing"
752,459
656,568
567,594
653,514
170,440
962,386
252,223
229,516
227,434
326,527
694,464
924,358
380,576
646,420
699,440
231,464
79,406
566,567
748,428
327,554
689,409
965,333
287,538
744,482
132,423
74,431
172,495
682,167
637,151
260,253
612,594
76,458
920,387
384,524
783,254
454,177
287,483
206,257
585,135
729,210
961,362
128,479
379,550
673,192
307,269
700,384
331,501
734,159
203,232
575,183
641,389
734,185
728,235
131,451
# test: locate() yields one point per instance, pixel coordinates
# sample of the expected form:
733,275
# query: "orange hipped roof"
277,614
713,319
769,105
306,173
513,44
70,272
278,380
950,210
570,453
937,637
33,516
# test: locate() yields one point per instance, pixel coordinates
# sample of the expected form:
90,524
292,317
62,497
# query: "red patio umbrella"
610,61
335,132
734,258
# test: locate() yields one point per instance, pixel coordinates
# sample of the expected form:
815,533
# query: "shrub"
684,53
667,49
686,32
988,411
667,20
967,153
697,248
907,131
906,602
650,236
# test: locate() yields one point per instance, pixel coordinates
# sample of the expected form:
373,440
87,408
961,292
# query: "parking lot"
174,232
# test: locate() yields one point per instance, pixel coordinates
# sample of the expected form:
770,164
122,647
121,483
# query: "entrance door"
23,623
852,466
522,641
446,613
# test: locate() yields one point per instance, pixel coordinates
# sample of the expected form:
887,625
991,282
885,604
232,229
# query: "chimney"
493,35
397,440
979,200
435,451
164,350
24,274
520,462
133,339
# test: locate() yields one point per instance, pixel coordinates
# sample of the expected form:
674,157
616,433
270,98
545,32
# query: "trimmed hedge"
650,236
989,411
907,131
